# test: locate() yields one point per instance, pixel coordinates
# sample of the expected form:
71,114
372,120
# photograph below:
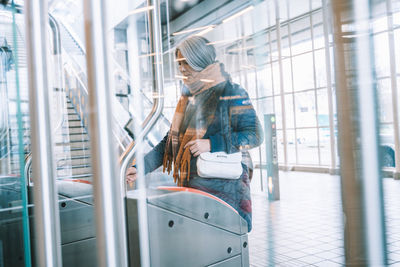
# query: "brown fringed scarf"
193,114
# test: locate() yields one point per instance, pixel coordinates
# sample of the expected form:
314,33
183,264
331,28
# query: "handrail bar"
126,78
57,51
74,37
122,71
27,168
158,103
76,75
4,104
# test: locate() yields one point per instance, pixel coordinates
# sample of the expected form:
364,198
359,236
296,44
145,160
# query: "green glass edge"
24,191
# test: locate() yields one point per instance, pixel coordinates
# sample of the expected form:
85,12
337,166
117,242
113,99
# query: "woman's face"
184,67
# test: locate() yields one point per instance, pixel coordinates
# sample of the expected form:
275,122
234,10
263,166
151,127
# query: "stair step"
78,166
78,137
75,123
79,160
75,144
76,171
73,116
75,153
79,148
77,130
23,129
75,134
79,176
76,126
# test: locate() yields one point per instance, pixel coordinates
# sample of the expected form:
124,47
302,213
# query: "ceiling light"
192,30
142,9
250,67
147,55
180,59
238,14
206,80
241,48
205,31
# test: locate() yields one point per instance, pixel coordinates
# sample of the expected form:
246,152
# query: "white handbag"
220,165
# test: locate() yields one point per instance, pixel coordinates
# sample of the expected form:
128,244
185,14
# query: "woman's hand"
131,175
199,146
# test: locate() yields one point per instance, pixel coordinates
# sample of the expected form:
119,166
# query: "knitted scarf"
193,114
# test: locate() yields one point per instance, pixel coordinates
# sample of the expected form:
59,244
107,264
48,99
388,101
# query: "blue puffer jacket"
235,127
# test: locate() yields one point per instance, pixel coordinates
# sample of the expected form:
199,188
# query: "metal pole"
293,86
325,19
393,79
315,84
365,242
282,91
47,225
109,206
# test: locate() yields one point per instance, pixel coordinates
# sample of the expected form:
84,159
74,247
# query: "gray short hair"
197,52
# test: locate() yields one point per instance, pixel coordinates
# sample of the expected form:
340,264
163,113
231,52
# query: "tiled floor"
304,228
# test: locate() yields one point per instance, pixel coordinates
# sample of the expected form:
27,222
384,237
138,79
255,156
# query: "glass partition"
165,82
15,142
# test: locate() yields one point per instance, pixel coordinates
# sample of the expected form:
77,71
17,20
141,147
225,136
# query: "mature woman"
212,115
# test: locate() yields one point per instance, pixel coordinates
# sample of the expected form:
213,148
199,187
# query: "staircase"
73,161
72,151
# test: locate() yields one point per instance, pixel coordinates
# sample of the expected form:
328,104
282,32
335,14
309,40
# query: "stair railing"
4,127
158,92
59,77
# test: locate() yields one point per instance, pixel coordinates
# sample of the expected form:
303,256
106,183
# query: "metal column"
358,134
393,80
109,207
325,19
281,83
47,225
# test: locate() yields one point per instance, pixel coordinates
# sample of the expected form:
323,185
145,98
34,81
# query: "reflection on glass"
323,109
297,8
381,52
305,109
291,146
385,101
264,76
266,105
278,112
307,146
280,144
386,136
320,68
303,72
276,78
289,112
301,36
396,34
287,74
325,146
